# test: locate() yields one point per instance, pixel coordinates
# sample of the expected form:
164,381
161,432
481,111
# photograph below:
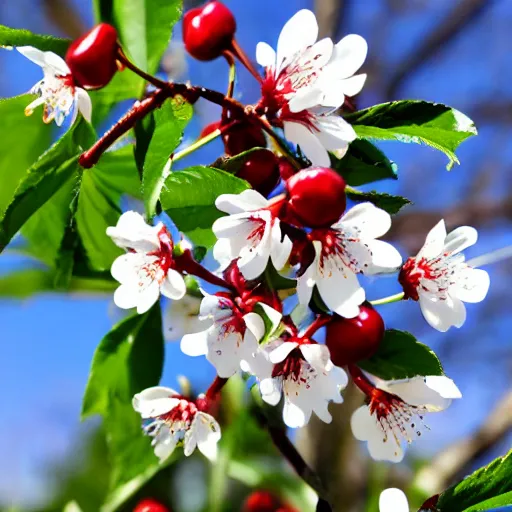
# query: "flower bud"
92,57
208,31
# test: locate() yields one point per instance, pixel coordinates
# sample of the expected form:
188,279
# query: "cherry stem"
291,454
123,59
388,300
215,388
360,379
185,262
319,322
239,53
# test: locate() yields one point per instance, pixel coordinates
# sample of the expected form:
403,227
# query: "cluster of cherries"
258,501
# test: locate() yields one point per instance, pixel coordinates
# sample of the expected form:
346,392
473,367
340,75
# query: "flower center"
291,367
397,419
183,413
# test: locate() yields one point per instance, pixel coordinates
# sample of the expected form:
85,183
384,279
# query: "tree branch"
462,15
329,14
452,462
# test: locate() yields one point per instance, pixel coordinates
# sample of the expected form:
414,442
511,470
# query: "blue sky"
48,341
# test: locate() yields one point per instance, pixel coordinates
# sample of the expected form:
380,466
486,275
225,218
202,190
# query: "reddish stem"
244,59
319,322
123,59
360,380
215,388
186,263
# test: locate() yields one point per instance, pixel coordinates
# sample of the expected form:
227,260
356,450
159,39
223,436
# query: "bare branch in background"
63,14
329,14
462,15
493,112
453,462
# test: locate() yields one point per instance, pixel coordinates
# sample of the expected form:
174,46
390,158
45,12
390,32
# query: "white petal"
155,401
265,55
294,416
173,286
132,232
305,285
443,385
165,445
335,132
247,200
434,242
349,55
317,356
255,324
148,298
393,500
308,143
270,390
84,103
35,55
353,85
56,64
280,353
298,33
370,220
273,315
195,344
305,98
224,351
281,249
472,285
207,434
443,314
460,239
385,258
361,423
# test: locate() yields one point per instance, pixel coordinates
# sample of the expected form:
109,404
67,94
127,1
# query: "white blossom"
306,376
182,317
57,90
146,270
307,80
393,500
171,419
441,281
231,338
344,250
395,413
250,232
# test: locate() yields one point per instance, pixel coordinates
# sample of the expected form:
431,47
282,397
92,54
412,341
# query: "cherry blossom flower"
182,317
232,337
57,90
304,373
306,80
146,271
171,419
393,500
344,250
441,281
395,412
251,233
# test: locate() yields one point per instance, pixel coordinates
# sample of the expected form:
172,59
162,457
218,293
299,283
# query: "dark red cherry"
150,505
261,501
208,30
352,339
210,128
286,169
261,171
92,57
243,136
316,196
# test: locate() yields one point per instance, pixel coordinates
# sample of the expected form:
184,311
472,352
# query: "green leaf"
401,356
128,359
189,197
16,157
490,486
58,165
364,163
420,122
170,122
20,37
144,26
389,203
234,163
98,204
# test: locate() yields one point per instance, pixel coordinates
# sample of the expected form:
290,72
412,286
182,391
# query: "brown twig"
452,462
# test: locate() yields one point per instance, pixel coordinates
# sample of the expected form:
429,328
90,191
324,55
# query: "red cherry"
316,196
286,169
243,136
261,501
351,339
208,30
210,128
92,57
261,171
150,505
